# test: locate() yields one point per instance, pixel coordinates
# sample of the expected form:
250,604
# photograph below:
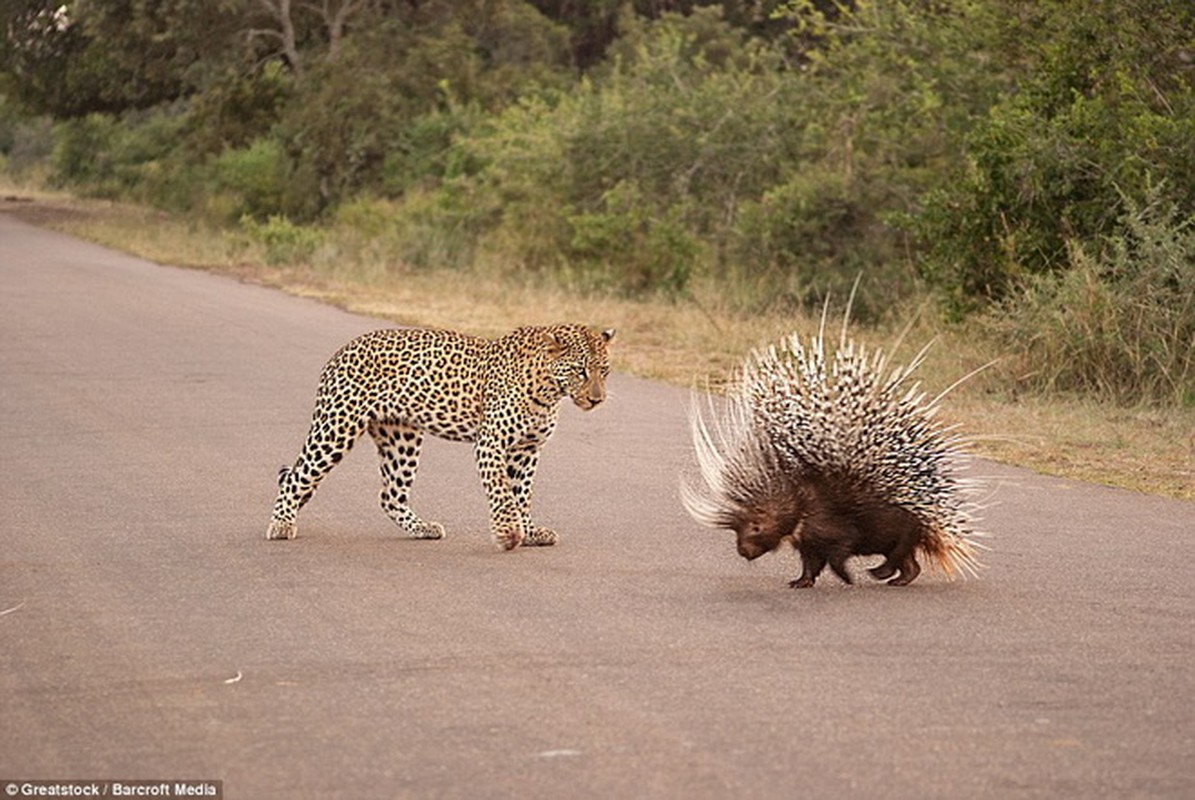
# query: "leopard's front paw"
282,530
509,538
541,537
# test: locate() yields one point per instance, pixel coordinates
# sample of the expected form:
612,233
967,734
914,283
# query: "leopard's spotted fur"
503,395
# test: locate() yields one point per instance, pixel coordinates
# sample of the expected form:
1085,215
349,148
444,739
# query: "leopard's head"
579,362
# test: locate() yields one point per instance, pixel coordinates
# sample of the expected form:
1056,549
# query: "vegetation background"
1017,176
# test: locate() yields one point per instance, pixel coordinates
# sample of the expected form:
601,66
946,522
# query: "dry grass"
1149,450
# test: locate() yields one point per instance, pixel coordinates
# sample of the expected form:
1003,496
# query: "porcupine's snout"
750,549
760,531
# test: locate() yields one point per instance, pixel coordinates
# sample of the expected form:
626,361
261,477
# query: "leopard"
501,395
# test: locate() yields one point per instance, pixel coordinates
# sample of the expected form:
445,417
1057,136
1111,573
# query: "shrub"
263,182
28,144
424,153
813,235
632,179
1119,323
82,154
284,242
622,246
133,157
256,174
441,228
698,139
1106,111
235,109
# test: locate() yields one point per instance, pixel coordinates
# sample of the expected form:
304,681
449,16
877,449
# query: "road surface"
149,631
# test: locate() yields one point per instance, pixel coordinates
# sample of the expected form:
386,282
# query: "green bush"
423,152
1106,111
632,180
421,229
262,181
380,116
341,126
1119,323
698,139
621,246
235,109
814,235
256,175
10,119
132,157
83,154
284,242
443,228
28,144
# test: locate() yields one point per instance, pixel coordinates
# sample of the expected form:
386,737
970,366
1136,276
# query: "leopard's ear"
556,346
608,335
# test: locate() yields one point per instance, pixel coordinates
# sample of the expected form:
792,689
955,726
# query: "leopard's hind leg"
398,454
330,437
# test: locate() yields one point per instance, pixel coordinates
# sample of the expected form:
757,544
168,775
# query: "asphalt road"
148,629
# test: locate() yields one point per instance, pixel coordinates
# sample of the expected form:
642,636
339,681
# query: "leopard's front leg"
521,464
506,513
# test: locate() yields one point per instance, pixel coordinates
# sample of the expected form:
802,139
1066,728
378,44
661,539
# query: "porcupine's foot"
540,537
839,567
909,570
812,563
884,571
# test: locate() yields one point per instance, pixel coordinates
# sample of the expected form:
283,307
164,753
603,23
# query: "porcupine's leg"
909,569
884,571
812,564
906,533
906,565
893,559
825,537
904,555
398,455
838,565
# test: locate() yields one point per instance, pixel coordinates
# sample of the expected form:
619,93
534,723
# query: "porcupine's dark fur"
834,455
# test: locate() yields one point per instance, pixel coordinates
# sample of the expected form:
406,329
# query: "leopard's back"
430,379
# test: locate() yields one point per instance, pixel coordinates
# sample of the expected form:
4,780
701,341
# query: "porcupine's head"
741,485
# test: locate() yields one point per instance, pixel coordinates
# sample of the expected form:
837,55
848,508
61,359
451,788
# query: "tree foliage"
989,150
1103,116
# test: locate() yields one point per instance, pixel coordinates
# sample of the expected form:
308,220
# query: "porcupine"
837,455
